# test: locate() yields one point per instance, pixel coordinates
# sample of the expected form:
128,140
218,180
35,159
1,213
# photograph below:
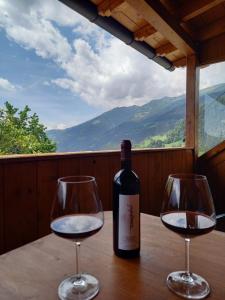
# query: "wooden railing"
28,185
212,164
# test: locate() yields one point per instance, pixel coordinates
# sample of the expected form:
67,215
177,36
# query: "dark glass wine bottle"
126,208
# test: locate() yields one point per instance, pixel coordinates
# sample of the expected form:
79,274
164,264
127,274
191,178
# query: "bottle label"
128,222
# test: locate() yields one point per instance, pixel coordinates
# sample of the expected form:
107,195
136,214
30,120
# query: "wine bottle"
126,208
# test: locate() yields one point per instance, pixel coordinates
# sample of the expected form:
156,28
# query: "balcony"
28,185
28,182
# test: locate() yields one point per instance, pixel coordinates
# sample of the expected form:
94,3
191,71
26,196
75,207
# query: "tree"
172,138
22,133
176,134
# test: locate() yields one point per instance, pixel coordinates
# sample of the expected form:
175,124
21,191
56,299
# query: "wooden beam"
106,7
193,8
170,5
158,16
165,49
192,103
213,50
212,153
2,242
211,30
144,32
181,62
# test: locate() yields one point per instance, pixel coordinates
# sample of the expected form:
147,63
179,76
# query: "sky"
68,70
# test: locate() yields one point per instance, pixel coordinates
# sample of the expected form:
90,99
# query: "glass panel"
212,107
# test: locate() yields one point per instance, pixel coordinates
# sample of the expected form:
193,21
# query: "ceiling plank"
212,30
213,50
106,7
144,32
192,8
165,49
158,16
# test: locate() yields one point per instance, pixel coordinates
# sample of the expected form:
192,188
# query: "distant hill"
212,119
137,123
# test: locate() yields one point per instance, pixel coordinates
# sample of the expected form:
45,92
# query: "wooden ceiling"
174,28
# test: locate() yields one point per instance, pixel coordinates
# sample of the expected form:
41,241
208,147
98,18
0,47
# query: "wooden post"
192,103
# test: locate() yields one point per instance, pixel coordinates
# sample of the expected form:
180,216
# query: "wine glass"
77,214
188,210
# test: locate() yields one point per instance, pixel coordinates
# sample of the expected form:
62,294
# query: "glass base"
190,286
82,287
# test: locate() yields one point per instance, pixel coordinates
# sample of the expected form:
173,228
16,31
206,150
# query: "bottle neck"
126,164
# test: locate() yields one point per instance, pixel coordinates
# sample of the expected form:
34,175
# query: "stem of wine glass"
77,259
187,256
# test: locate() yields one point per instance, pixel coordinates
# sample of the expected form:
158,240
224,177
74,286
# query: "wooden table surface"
34,271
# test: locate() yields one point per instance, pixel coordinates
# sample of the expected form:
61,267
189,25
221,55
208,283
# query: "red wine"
76,226
126,211
188,222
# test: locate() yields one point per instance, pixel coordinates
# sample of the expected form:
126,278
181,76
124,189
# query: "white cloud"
66,84
101,69
212,75
6,85
117,76
34,32
57,126
52,10
46,83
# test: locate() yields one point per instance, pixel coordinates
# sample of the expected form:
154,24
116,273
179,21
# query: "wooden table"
35,270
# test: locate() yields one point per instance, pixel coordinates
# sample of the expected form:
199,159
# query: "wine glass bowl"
188,210
77,214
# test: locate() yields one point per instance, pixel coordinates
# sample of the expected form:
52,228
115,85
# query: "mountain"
87,136
134,122
212,121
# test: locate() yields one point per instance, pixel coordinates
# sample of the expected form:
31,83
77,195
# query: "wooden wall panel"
157,179
114,167
160,165
20,206
188,161
140,166
1,209
30,184
212,164
99,168
217,183
69,167
103,178
47,175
